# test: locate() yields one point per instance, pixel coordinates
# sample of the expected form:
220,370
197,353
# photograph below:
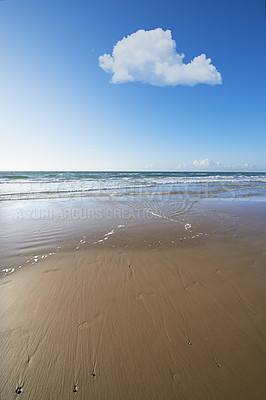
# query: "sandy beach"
150,322
132,200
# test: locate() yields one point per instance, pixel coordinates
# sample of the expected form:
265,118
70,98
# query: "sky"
143,85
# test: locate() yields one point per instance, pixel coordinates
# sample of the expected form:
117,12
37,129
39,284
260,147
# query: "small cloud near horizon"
151,57
209,164
202,164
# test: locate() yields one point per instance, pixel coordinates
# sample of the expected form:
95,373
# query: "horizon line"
121,170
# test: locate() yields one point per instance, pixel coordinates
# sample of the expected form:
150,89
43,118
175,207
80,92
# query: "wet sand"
181,322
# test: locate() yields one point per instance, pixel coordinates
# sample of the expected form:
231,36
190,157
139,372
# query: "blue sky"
59,111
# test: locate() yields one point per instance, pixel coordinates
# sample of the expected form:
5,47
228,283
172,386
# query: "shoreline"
32,230
144,313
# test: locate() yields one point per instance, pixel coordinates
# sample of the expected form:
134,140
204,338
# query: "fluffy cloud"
203,163
151,57
207,164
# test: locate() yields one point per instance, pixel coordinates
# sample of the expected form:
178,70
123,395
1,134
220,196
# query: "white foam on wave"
82,241
62,185
8,270
32,260
110,233
106,235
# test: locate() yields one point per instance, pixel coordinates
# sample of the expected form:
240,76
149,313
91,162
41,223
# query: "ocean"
43,213
43,185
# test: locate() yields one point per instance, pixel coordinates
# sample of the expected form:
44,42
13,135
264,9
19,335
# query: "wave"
23,185
240,192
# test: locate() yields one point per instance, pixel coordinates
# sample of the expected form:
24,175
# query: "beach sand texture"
186,323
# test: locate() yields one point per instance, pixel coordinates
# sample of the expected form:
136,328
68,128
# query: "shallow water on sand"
35,229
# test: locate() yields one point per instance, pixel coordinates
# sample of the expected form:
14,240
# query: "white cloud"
202,164
151,57
207,164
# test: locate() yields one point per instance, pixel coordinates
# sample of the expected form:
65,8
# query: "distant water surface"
42,185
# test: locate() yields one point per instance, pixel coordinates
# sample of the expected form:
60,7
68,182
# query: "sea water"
43,185
42,213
